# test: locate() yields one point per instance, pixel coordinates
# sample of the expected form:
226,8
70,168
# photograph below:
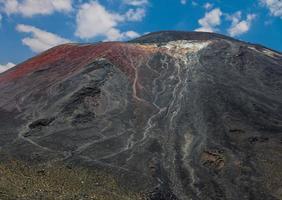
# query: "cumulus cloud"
115,34
274,6
210,21
183,2
136,2
94,20
208,6
131,34
6,67
239,26
135,14
39,40
29,8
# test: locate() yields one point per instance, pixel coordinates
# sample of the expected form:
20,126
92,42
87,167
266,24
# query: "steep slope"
172,114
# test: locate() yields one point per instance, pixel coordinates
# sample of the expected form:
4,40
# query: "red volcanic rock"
69,58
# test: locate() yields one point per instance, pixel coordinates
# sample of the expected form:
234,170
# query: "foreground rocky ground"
171,115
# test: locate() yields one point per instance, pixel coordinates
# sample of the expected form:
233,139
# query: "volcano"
171,115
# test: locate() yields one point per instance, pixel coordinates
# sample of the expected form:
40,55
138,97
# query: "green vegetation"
57,182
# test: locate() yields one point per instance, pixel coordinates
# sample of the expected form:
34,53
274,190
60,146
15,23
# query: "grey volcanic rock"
167,36
175,115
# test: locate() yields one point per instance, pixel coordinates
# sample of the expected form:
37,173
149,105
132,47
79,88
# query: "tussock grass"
58,182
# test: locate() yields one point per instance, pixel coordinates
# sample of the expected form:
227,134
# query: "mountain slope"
175,115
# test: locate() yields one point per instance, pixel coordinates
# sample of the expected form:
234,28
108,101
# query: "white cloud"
274,6
0,19
136,2
208,6
115,34
29,8
210,21
6,67
135,14
183,2
94,20
40,40
131,34
234,18
238,26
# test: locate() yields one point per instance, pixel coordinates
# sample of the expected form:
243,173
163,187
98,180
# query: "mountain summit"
171,115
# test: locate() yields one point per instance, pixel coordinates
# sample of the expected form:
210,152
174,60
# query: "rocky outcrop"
173,115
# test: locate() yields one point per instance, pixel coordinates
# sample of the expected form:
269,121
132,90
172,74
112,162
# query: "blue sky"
28,27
